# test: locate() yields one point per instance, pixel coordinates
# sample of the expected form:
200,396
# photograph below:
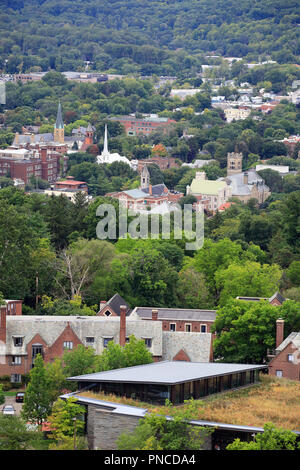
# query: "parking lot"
12,401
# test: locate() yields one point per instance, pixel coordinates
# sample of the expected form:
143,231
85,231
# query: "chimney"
154,315
150,189
279,331
122,339
3,313
44,153
102,303
245,178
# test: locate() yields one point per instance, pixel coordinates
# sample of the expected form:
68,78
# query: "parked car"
20,397
8,410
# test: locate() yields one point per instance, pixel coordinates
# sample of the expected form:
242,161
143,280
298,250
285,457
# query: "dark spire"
59,120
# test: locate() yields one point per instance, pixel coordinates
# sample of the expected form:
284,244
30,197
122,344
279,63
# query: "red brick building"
70,183
144,126
162,162
285,361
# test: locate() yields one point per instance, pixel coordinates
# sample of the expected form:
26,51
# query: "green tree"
158,432
271,439
14,434
38,396
2,395
67,425
80,360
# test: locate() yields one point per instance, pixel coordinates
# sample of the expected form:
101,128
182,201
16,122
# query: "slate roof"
239,188
292,338
115,303
157,190
24,139
177,314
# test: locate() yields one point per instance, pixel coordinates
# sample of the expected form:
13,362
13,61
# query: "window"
203,328
68,344
148,342
279,373
107,313
15,378
188,327
290,357
106,341
172,326
90,339
16,360
18,341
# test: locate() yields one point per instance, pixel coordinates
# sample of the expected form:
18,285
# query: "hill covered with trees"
154,37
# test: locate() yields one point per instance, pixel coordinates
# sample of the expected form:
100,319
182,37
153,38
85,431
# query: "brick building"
144,126
285,360
23,337
71,184
162,162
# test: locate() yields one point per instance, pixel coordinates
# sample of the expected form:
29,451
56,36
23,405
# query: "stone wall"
105,426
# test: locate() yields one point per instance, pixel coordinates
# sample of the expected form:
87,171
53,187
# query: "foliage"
271,438
156,432
38,396
14,434
66,414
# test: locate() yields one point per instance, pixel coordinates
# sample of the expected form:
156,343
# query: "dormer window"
18,341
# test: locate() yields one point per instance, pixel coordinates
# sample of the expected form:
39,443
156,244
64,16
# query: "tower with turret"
234,163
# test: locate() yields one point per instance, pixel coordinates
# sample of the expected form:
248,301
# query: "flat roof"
167,372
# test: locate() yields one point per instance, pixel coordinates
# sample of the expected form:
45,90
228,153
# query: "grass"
274,401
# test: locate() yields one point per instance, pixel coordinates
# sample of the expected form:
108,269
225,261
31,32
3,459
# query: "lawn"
272,400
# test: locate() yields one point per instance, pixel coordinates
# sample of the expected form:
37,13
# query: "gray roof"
135,193
115,303
26,138
157,189
168,372
240,189
177,314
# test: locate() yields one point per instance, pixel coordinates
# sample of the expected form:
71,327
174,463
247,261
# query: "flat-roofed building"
173,380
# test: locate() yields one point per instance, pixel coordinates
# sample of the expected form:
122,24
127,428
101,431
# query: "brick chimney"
3,312
102,303
279,331
154,315
44,153
245,178
122,339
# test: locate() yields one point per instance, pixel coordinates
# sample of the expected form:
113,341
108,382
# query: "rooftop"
166,372
177,313
207,186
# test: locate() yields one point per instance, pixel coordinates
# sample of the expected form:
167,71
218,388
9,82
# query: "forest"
164,37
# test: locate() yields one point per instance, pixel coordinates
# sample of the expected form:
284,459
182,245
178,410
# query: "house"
236,114
70,184
285,360
215,192
113,306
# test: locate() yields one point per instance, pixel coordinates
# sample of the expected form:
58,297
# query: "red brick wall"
180,325
280,362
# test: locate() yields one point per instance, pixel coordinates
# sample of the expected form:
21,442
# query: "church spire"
105,147
59,120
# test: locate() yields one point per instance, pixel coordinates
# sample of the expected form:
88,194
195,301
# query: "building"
215,192
285,360
144,126
182,94
283,170
234,163
163,163
108,158
236,114
23,337
248,185
147,196
276,299
173,380
43,165
70,184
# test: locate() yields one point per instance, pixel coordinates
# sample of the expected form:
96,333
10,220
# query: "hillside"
158,36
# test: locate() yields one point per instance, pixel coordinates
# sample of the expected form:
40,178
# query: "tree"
158,432
14,434
249,279
2,395
271,439
245,330
80,360
67,425
192,290
38,396
56,378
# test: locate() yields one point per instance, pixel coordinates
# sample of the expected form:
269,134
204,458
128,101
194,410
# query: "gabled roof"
292,338
157,190
277,296
115,303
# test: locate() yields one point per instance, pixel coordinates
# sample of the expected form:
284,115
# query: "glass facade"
177,393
